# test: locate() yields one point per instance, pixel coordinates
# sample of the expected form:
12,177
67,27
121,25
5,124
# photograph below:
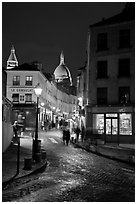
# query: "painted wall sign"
21,90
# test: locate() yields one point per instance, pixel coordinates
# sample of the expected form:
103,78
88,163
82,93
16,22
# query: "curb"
35,171
130,160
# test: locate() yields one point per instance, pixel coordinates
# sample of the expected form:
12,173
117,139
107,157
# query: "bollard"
38,157
36,148
27,163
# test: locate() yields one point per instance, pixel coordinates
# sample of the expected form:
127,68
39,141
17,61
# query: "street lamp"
38,91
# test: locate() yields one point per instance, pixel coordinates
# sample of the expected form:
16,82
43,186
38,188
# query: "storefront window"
125,124
100,123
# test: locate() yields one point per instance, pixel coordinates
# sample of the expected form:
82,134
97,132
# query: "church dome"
62,72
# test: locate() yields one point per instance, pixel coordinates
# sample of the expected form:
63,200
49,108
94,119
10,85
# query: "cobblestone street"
72,174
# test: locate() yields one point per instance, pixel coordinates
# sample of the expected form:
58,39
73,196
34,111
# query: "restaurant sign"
22,90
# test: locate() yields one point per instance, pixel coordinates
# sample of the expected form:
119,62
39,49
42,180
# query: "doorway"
111,126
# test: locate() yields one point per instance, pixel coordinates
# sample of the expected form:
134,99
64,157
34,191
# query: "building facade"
81,95
53,103
110,77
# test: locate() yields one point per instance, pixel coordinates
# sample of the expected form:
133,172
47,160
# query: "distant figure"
82,133
15,129
77,131
60,123
42,125
66,134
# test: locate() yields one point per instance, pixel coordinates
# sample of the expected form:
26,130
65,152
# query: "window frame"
102,41
124,38
26,95
99,99
100,74
16,82
124,64
120,95
15,97
29,82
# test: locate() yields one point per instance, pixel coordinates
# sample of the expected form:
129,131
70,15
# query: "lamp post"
38,91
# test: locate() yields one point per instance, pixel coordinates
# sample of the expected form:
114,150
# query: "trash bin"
27,163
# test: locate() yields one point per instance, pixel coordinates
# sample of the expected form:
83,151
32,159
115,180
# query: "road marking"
53,140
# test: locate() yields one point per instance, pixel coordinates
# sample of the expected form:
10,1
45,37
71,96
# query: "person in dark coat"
64,135
82,133
77,131
67,136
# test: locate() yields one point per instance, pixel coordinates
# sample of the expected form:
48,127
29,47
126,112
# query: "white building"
53,103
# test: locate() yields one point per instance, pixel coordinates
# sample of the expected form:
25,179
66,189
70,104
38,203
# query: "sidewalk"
9,160
121,152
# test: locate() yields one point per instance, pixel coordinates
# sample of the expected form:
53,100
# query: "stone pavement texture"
122,152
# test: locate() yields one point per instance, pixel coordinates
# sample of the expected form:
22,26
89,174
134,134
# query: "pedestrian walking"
77,131
15,129
67,136
42,125
64,135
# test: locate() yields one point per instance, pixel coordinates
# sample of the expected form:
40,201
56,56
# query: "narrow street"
74,175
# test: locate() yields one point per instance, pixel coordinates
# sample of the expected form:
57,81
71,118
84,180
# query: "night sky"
39,31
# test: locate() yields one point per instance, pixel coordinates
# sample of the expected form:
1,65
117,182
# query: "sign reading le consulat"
22,90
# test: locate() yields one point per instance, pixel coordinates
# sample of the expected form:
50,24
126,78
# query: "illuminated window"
15,97
28,97
29,80
125,124
124,95
16,80
98,123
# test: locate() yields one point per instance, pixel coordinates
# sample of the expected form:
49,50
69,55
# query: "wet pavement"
74,175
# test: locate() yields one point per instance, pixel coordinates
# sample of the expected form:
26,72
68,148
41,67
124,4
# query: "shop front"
114,124
25,115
